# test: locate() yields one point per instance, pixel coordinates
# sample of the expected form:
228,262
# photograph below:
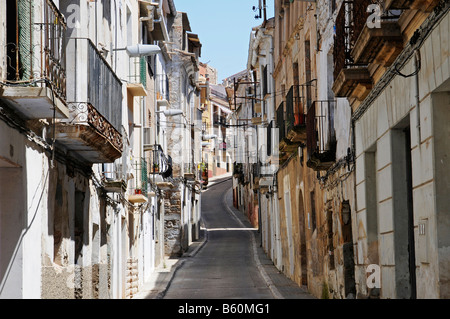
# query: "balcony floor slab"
34,102
87,142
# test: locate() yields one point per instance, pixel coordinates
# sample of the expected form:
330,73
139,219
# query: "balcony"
159,167
115,178
154,20
298,101
285,145
291,117
349,76
162,91
375,44
159,163
116,175
321,136
95,105
35,83
137,78
139,192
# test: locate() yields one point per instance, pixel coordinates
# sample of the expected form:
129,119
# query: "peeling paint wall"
37,232
291,216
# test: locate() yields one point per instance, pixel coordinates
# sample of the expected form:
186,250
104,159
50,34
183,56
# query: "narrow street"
320,128
226,267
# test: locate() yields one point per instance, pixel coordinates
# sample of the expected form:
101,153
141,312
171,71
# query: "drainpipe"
115,36
417,66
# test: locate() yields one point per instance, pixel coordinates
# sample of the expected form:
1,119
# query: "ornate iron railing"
93,81
84,113
138,70
352,18
141,182
298,101
158,161
35,49
342,39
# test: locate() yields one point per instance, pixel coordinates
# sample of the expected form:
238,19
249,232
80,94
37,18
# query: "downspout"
417,66
115,36
274,177
96,23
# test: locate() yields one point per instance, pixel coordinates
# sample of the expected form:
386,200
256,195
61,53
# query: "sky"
224,28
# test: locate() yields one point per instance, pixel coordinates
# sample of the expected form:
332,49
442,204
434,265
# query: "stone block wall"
172,223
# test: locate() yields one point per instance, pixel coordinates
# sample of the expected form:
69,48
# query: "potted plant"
155,168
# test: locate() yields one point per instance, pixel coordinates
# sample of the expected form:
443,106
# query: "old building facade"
216,160
398,99
354,207
84,168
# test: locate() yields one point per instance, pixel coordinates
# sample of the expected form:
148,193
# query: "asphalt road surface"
225,267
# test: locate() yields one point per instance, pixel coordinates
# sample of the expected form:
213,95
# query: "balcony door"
405,267
19,26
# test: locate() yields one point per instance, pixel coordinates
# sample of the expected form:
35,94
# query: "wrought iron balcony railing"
298,101
321,136
140,166
291,117
94,99
35,52
159,163
352,18
137,70
84,113
93,82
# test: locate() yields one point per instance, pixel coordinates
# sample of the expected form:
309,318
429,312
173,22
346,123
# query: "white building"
79,217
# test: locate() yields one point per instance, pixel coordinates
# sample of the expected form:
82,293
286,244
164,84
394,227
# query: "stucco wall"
375,128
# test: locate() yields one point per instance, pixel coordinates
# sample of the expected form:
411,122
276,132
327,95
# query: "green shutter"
26,22
144,176
143,71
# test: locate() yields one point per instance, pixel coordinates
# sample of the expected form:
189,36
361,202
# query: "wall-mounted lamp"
141,50
171,112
